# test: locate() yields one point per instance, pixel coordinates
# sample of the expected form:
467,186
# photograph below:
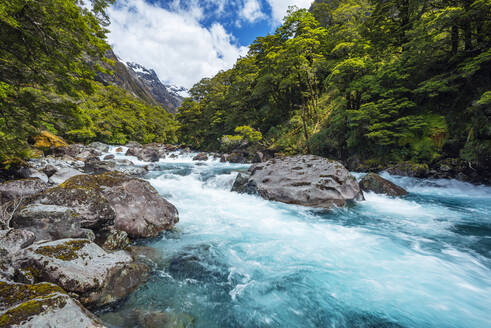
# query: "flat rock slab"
306,180
41,306
79,266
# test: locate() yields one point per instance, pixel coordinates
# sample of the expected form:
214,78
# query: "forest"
366,82
51,52
362,81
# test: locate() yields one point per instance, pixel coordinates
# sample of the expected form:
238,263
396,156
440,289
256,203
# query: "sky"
187,40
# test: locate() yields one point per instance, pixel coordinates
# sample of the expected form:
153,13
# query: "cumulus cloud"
251,11
280,7
173,42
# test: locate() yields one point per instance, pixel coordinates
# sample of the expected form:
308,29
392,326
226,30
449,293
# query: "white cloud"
280,7
251,11
171,42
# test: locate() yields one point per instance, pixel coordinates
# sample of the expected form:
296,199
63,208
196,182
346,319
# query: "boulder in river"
201,157
113,199
377,184
41,305
306,180
99,146
80,266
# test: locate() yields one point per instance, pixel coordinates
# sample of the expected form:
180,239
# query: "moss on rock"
65,251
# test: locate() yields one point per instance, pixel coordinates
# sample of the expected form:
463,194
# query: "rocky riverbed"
77,228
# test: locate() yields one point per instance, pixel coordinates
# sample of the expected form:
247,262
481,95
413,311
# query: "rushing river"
235,260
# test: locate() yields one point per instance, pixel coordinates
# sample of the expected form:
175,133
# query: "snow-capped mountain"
168,95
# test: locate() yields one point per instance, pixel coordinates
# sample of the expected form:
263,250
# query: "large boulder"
113,199
50,222
14,189
79,266
304,180
375,183
42,305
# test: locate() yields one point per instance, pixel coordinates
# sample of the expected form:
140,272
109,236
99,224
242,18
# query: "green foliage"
49,52
373,80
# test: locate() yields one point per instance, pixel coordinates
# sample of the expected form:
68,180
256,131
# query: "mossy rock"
41,305
47,141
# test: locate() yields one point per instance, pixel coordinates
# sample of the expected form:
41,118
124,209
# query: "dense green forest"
363,81
50,53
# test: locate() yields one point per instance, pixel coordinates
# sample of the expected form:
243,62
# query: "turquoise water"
240,261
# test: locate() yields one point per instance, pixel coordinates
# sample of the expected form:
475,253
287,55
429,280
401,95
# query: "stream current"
236,260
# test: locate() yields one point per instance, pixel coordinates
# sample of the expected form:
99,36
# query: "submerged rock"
41,305
80,266
13,189
377,184
303,180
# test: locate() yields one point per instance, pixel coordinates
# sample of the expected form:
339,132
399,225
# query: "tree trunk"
305,131
455,40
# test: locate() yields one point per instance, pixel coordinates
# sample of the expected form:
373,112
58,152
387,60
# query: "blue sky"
186,40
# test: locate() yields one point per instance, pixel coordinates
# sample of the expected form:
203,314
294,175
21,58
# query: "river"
235,260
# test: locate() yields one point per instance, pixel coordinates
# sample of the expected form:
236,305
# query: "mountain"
143,83
168,95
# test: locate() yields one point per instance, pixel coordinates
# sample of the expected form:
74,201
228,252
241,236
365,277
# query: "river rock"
200,157
42,305
99,146
13,240
237,157
13,189
133,151
113,199
79,266
50,222
306,180
149,154
94,165
63,174
377,184
410,169
116,239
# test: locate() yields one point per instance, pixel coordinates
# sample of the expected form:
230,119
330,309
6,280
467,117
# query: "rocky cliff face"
143,83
